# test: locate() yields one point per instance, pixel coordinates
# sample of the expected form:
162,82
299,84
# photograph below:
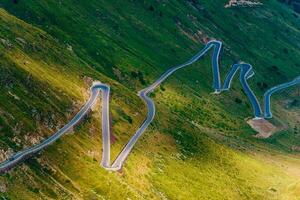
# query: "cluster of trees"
138,75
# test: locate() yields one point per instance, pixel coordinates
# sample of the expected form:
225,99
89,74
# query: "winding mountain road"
270,92
246,72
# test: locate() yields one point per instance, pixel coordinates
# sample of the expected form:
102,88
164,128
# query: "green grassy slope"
199,145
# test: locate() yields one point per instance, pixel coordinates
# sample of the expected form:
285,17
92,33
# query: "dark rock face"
296,6
294,3
289,2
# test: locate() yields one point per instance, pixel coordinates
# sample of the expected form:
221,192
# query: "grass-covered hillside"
199,145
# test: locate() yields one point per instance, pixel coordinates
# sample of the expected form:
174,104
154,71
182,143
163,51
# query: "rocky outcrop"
3,187
295,148
242,3
32,139
5,154
6,43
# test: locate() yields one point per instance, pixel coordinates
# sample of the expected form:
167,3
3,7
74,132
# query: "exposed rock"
93,154
69,47
31,139
117,73
3,187
17,140
21,41
197,36
17,128
6,43
88,80
242,3
200,36
295,148
5,154
14,95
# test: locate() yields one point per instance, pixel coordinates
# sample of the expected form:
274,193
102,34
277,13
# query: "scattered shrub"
262,85
138,75
151,8
237,100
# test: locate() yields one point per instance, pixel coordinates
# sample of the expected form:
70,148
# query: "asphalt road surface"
98,88
270,92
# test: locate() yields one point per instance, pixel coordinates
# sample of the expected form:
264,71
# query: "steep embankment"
198,146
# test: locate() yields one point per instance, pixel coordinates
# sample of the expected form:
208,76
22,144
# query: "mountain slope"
199,145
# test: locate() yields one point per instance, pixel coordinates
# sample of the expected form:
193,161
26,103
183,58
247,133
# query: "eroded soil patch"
264,128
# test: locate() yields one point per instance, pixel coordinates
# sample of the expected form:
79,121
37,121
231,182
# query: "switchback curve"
246,72
267,96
